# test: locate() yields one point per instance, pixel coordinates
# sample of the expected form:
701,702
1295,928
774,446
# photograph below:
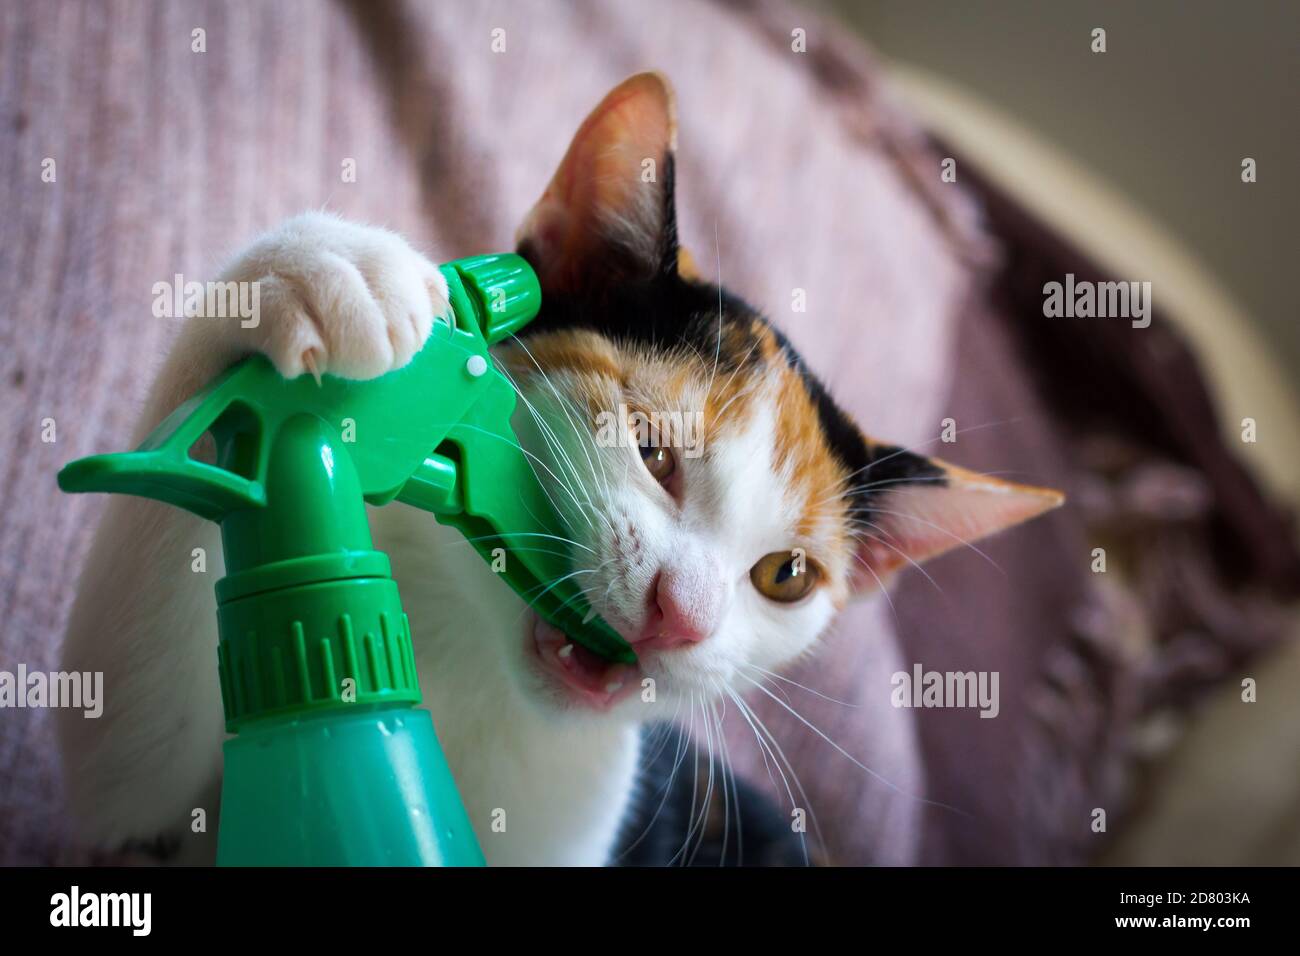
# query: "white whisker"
854,760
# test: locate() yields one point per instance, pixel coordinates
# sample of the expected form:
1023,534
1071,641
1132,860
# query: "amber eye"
660,462
784,576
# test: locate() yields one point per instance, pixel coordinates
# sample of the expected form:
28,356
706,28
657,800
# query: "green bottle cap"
504,290
308,615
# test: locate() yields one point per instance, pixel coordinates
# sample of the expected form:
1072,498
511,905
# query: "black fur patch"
670,825
865,463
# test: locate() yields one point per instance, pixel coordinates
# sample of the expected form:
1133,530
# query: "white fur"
359,299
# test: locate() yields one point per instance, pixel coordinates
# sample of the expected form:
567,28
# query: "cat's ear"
918,518
608,213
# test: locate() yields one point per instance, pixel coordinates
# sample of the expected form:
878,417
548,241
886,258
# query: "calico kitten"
713,557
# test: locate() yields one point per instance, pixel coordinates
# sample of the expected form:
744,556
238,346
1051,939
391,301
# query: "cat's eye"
660,462
784,576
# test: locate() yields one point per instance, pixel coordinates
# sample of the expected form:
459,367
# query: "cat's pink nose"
683,609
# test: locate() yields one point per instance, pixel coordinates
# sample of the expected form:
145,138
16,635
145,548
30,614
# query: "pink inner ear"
598,185
545,229
913,524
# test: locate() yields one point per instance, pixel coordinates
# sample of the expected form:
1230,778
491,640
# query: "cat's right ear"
919,518
608,213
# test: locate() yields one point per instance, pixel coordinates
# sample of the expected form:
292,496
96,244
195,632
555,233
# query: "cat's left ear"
608,213
912,520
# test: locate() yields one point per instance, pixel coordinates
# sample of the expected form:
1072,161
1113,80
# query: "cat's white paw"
355,301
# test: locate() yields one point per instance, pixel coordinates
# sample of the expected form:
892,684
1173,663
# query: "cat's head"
722,506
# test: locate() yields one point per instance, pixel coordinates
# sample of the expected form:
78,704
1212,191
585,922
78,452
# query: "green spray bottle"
331,762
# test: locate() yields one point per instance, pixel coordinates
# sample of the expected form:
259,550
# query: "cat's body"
719,563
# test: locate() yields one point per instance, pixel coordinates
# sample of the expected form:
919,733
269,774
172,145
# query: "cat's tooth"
613,687
565,651
591,612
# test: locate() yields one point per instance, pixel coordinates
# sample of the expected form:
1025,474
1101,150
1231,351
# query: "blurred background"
814,168
1118,150
1126,153
1184,91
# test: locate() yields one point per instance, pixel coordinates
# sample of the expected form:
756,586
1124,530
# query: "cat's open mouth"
593,680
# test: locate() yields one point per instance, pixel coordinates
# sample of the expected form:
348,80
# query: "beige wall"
1185,90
